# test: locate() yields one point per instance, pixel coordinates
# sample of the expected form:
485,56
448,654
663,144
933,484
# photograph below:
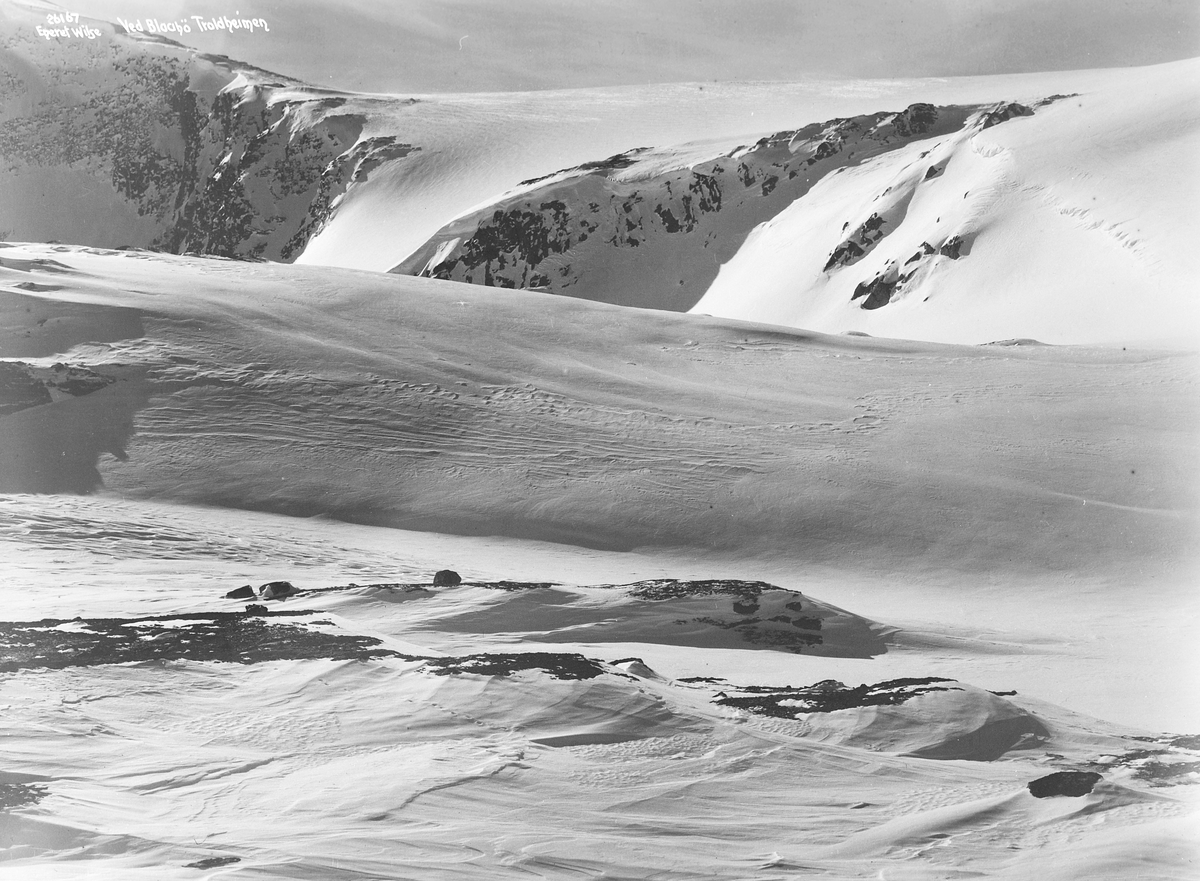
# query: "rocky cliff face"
131,141
652,227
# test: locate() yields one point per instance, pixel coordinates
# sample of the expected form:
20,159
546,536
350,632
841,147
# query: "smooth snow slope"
1075,224
455,408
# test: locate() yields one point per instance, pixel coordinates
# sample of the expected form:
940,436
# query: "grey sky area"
502,45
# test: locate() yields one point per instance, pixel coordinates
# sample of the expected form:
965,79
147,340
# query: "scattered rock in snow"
1167,761
858,243
76,381
674,589
1069,783
23,385
513,585
245,592
879,290
560,665
790,702
952,247
1003,112
276,590
19,389
213,863
18,793
446,578
235,637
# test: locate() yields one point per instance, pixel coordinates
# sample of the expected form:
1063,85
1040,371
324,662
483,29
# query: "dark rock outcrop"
446,578
884,287
19,790
559,665
19,390
1003,112
245,592
878,291
1064,783
791,702
276,590
185,158
213,863
234,637
952,247
23,385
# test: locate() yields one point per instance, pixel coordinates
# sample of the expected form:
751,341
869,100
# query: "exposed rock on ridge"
614,230
178,151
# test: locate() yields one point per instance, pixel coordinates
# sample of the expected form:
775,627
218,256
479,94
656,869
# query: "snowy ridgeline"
959,222
937,211
653,227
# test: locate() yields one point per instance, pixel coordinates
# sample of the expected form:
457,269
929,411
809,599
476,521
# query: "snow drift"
368,398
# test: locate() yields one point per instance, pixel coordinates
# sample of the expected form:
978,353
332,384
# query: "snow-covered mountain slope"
1081,237
128,140
368,397
1072,225
651,227
133,141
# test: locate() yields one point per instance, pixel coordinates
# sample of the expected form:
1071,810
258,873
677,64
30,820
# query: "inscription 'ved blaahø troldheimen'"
67,25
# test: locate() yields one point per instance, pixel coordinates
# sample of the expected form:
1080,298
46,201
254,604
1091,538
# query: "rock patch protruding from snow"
1072,784
234,637
559,665
277,590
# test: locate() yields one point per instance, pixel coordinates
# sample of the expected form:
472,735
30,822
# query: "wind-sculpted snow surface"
370,398
930,717
181,743
711,614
